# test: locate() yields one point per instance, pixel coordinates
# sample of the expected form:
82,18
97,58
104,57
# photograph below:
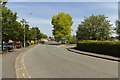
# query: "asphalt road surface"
7,61
54,61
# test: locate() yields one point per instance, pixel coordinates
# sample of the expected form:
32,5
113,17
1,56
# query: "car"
5,47
10,46
44,41
17,45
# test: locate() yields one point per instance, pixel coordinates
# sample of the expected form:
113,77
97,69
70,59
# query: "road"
53,61
7,61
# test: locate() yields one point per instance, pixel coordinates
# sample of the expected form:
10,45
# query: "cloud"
44,25
36,21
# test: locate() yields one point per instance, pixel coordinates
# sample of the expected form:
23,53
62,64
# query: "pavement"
8,62
72,48
53,61
107,57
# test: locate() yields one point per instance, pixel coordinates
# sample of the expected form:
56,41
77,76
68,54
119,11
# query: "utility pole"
1,28
24,36
119,10
23,21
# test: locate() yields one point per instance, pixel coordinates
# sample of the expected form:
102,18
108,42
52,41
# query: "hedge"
111,48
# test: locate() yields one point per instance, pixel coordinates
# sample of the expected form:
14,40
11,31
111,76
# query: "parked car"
7,46
4,47
10,46
17,45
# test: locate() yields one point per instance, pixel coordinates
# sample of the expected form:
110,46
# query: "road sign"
63,38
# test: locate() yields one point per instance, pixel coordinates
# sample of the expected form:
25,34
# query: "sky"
63,0
42,12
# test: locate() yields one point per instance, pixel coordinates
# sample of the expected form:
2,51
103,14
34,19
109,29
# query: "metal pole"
24,36
119,10
1,40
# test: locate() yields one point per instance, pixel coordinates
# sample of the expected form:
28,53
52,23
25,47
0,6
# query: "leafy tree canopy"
62,23
94,28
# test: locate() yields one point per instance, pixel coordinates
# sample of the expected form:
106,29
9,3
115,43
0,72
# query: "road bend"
53,61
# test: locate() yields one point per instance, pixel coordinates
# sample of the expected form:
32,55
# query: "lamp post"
119,10
24,37
1,28
23,21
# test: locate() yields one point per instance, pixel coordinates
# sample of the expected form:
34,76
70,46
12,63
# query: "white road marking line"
23,75
29,77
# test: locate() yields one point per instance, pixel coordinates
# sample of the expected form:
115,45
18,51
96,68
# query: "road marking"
23,74
20,65
29,77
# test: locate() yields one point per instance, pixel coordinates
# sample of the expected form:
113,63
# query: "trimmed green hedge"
111,48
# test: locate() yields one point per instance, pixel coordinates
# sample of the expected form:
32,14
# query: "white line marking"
29,77
23,74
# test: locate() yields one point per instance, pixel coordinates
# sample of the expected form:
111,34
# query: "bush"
101,47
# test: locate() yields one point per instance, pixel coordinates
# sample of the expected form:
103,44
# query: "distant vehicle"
44,41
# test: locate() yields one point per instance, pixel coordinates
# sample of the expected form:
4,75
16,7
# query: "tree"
73,39
62,26
3,2
43,35
94,28
118,28
14,30
11,28
36,34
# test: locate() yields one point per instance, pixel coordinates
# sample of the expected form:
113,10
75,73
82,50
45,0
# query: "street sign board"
63,38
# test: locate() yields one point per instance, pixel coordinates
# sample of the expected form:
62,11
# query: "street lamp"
24,36
1,28
23,21
119,10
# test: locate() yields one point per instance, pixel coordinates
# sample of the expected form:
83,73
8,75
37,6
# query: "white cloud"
113,18
44,24
38,21
112,6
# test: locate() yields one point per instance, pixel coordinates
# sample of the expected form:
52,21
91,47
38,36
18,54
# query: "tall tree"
118,28
10,26
94,28
62,23
36,34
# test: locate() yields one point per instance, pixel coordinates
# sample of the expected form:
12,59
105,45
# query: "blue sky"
63,0
42,12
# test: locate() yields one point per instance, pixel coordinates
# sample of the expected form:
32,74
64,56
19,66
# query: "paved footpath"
8,62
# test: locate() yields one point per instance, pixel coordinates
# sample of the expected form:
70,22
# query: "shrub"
101,47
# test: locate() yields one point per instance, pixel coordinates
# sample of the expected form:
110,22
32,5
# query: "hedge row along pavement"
111,48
